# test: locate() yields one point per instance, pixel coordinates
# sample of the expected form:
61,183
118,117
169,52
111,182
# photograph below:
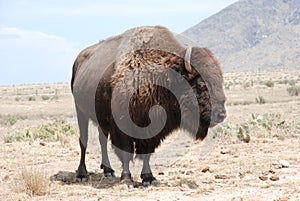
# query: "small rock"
206,169
184,186
284,163
241,175
42,143
161,173
263,177
283,199
237,199
6,178
274,178
225,151
281,164
277,165
271,171
218,176
189,172
246,138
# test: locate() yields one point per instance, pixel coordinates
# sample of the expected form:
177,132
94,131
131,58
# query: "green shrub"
11,120
291,82
45,97
55,97
269,83
260,100
31,98
294,90
246,85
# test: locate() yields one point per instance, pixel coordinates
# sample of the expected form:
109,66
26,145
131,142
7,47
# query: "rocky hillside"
252,34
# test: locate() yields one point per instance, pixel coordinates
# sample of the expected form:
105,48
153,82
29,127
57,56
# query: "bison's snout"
221,116
218,116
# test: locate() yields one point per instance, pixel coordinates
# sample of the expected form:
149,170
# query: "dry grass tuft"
32,182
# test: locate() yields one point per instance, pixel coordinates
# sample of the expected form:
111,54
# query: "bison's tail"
74,69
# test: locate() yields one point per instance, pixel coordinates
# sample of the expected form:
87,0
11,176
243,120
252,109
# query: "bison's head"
207,82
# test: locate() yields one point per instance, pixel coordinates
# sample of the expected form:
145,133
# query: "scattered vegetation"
240,103
247,85
55,97
294,90
10,120
260,100
31,98
32,182
54,131
291,82
269,83
261,125
45,97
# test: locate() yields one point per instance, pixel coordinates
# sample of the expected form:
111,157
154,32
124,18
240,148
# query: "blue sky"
39,40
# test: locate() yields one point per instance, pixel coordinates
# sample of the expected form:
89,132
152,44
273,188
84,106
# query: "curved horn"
187,59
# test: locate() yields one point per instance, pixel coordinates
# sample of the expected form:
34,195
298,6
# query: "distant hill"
252,34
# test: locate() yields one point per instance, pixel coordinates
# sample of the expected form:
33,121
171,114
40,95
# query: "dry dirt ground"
222,167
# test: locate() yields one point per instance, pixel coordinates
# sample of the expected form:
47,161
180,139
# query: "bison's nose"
221,115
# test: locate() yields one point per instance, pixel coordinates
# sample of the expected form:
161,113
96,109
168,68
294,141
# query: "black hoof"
126,179
108,172
82,174
81,178
148,180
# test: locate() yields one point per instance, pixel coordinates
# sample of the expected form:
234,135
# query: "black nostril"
222,116
219,115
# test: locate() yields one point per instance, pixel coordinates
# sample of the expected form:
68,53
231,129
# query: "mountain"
252,34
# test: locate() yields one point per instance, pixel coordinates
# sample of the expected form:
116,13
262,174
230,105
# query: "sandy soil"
219,168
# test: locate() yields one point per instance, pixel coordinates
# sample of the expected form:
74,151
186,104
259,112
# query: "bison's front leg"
124,149
126,175
146,174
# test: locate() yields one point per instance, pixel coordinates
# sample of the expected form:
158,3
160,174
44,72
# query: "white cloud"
34,57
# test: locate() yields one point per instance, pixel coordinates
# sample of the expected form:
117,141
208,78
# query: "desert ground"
254,155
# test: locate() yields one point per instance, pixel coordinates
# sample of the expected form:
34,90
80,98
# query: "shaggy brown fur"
148,68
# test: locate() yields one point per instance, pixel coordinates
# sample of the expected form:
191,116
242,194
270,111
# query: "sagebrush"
32,182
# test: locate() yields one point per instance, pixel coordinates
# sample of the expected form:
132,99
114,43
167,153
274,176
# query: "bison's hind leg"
83,121
82,174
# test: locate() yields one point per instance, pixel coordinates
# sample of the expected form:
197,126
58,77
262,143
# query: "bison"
140,86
